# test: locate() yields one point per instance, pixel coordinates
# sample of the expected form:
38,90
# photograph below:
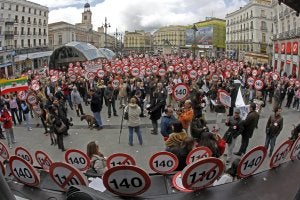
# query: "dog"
89,119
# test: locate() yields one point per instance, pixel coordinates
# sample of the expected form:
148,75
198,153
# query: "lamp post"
105,25
116,34
194,28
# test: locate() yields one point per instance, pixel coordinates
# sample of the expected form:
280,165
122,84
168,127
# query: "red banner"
288,48
276,48
282,48
295,48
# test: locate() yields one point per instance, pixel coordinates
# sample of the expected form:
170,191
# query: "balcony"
16,21
8,34
45,34
34,33
40,23
9,21
281,35
16,33
22,33
34,23
292,32
46,25
40,34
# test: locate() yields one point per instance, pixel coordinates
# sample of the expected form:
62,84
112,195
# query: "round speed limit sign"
198,153
31,99
251,161
77,159
22,95
135,71
180,91
250,80
177,182
295,149
258,84
163,162
23,171
43,159
3,151
280,154
202,173
116,83
24,154
126,180
119,159
100,73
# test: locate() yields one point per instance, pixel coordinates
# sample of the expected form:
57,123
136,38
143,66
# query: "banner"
244,110
13,85
224,98
239,102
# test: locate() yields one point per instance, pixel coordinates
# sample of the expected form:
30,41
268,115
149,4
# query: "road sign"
250,80
205,70
119,159
177,68
31,99
116,83
251,161
180,91
22,95
275,76
295,151
163,162
202,173
224,98
2,169
37,109
258,84
193,74
185,77
90,75
23,171
3,151
177,182
100,73
198,153
70,72
280,154
171,68
135,71
35,87
43,160
65,175
148,71
254,72
78,159
24,154
154,69
126,180
54,78
73,77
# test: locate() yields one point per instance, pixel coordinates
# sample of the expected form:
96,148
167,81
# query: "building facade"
286,39
23,33
169,36
61,33
248,32
138,41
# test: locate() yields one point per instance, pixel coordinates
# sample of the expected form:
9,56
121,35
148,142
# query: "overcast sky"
133,15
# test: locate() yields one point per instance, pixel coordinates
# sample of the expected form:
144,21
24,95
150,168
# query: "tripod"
121,128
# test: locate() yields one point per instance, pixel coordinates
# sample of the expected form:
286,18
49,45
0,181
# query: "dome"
87,5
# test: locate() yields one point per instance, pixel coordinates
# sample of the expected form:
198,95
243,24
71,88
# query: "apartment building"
138,41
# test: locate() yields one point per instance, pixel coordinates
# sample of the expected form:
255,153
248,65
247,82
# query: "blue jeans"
138,133
98,119
27,120
270,140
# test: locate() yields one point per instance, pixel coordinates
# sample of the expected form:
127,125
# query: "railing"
280,35
286,34
23,21
8,33
293,32
16,33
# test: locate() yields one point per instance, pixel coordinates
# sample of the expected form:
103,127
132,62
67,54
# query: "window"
23,19
45,42
294,23
22,43
17,7
16,43
23,9
2,6
35,11
28,43
16,31
34,20
0,30
34,42
40,31
251,25
34,32
85,17
50,41
16,19
40,12
22,31
72,36
251,14
28,20
40,42
28,31
262,13
45,14
9,7
44,22
288,25
282,26
59,39
263,37
45,32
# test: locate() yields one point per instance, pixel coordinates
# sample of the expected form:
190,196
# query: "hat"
237,111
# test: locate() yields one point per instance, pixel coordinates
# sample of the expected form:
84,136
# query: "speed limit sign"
126,180
31,99
100,73
163,162
77,159
280,154
202,173
135,71
180,91
119,159
177,182
24,153
23,171
148,71
198,153
295,149
116,83
3,151
43,160
22,95
250,80
161,72
251,161
258,84
193,74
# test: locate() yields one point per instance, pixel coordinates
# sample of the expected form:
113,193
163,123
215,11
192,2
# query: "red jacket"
6,119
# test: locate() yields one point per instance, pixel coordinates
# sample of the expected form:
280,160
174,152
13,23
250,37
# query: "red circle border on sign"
126,167
198,149
46,157
22,148
294,147
88,162
174,157
271,164
5,149
261,148
129,157
176,186
187,92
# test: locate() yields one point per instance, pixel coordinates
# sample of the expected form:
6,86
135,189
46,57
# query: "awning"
33,55
5,64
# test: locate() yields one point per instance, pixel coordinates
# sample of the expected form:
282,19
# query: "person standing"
25,109
235,128
166,122
133,122
249,124
273,129
58,124
6,118
13,105
110,94
96,108
290,95
76,101
186,114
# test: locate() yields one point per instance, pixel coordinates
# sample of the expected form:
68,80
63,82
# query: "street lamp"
194,28
105,25
116,34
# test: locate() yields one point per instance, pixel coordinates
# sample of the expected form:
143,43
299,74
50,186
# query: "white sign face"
43,159
24,154
161,72
251,161
23,171
180,91
225,98
154,69
116,83
119,159
126,180
280,154
163,162
295,152
37,109
202,173
3,151
193,74
65,175
250,80
171,68
135,71
35,87
198,153
258,84
22,95
254,72
54,78
31,99
73,78
177,182
77,159
148,71
100,73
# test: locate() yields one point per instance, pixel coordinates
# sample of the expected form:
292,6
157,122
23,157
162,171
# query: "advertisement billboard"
203,36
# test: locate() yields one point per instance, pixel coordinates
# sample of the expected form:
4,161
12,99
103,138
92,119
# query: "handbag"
61,127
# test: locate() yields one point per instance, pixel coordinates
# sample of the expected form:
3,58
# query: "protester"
198,126
179,134
98,162
110,94
186,114
76,101
96,108
273,129
59,127
133,122
249,124
13,106
50,115
6,118
209,140
25,109
166,122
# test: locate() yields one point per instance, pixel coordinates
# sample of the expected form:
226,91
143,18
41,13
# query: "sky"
148,15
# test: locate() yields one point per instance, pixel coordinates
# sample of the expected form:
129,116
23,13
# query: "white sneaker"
29,129
10,146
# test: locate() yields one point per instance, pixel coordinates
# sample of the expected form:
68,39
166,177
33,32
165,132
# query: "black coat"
96,105
250,123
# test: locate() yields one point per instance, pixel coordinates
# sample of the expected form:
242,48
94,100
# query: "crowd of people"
148,93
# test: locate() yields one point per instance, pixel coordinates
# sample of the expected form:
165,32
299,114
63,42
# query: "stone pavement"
108,138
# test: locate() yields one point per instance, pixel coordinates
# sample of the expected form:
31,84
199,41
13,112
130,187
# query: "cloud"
141,14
